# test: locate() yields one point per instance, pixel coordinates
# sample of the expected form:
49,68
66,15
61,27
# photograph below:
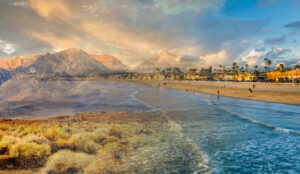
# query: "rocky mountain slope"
4,75
19,61
72,62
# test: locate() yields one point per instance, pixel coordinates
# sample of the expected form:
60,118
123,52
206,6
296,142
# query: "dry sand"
277,93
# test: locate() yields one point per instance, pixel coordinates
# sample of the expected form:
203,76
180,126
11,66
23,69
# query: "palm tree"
281,67
192,71
242,69
269,62
157,73
256,72
234,64
266,59
247,67
157,69
202,70
178,73
220,66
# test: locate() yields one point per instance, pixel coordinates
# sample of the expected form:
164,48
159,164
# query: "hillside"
19,61
72,62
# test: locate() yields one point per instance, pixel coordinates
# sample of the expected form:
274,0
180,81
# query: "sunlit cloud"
51,9
19,3
7,47
133,30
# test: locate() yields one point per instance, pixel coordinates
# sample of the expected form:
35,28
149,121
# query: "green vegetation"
98,143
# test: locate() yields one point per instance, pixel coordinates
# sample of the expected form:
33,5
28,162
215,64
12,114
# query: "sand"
268,92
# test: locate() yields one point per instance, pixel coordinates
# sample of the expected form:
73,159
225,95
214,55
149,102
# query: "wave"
260,123
204,157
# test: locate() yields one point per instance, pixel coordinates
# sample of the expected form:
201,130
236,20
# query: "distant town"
235,73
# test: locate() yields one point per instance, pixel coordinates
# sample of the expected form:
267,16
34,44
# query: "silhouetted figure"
250,92
218,94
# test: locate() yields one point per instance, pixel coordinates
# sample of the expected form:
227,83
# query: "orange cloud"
51,9
69,41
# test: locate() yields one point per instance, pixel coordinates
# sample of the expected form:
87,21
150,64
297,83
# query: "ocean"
233,135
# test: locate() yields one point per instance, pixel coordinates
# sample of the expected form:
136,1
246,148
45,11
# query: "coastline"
282,93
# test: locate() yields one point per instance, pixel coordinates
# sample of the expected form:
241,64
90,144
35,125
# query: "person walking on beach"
218,94
250,92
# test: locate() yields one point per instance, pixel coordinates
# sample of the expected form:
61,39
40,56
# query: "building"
287,76
252,77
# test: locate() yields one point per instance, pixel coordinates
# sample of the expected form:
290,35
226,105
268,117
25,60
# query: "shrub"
66,161
31,149
115,131
109,139
55,133
98,166
83,142
1,134
36,139
99,135
6,144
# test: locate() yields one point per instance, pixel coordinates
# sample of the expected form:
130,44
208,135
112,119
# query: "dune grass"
97,143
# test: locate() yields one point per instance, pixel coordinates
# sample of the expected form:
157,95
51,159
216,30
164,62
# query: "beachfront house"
252,77
287,76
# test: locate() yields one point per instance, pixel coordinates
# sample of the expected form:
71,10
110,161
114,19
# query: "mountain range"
72,61
16,62
67,63
70,58
76,62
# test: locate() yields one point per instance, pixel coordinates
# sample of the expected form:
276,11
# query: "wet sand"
277,93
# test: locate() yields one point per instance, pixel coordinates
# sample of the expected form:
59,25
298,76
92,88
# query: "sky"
210,32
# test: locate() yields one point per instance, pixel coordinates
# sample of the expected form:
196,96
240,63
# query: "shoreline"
265,94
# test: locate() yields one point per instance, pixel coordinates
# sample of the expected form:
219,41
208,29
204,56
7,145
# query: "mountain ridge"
72,61
16,62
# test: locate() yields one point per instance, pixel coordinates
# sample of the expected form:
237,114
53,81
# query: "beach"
124,127
268,92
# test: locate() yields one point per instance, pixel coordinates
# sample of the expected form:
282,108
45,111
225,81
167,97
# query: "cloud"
188,58
287,63
19,3
294,25
51,9
178,6
256,56
215,59
7,48
276,53
130,30
276,40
